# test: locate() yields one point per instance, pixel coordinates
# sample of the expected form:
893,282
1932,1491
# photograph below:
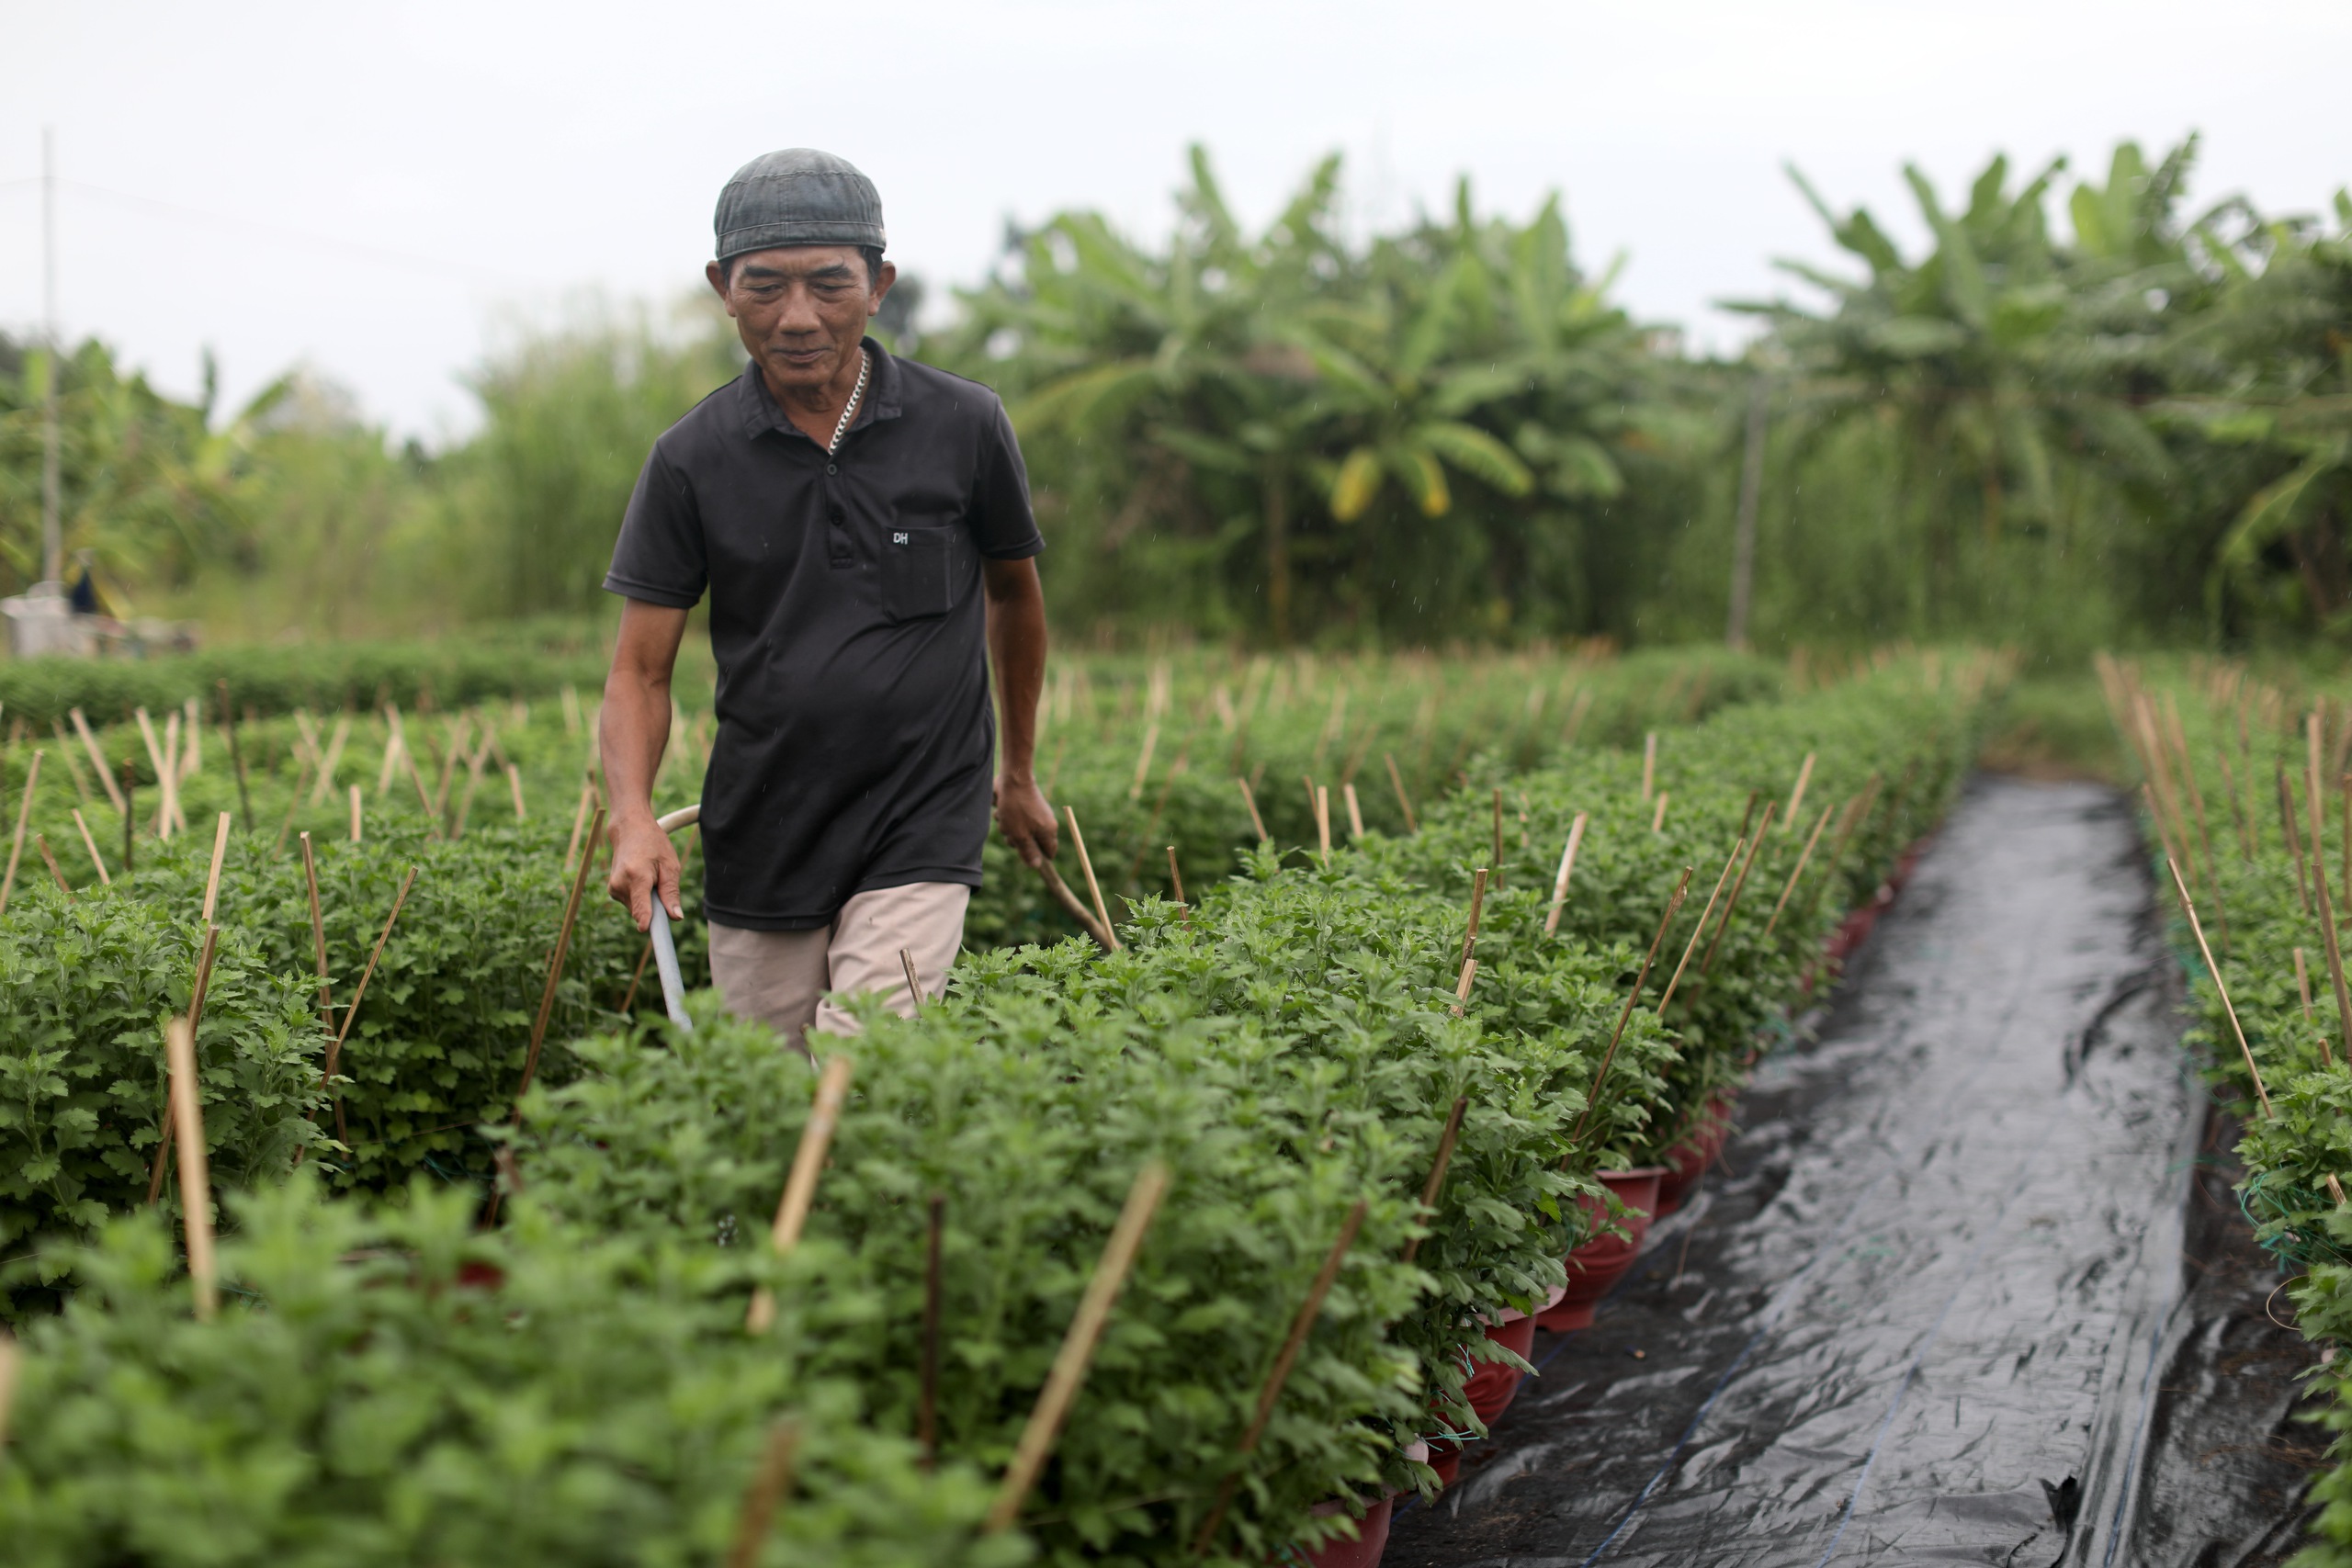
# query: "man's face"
801,309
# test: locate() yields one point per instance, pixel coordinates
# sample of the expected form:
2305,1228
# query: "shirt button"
833,468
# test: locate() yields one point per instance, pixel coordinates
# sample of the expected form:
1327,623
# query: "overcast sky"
376,190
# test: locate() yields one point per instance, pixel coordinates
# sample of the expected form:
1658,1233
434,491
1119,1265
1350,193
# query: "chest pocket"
923,572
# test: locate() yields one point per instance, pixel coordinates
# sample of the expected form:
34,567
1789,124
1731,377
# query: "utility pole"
1751,487
52,534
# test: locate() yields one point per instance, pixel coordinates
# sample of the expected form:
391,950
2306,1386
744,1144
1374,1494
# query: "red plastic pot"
1372,1537
1600,1263
1689,1160
1492,1385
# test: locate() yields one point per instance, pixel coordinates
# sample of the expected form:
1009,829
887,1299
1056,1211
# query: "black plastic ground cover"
1960,1290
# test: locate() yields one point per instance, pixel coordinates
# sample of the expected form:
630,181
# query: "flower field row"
1290,1063
2245,793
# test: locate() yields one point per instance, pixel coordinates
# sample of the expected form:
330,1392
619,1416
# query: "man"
862,525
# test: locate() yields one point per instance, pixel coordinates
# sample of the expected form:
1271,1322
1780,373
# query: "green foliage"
1294,434
363,1400
1288,1046
280,680
2253,882
83,993
149,487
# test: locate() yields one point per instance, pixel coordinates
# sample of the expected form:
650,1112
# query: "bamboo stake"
1815,838
1657,822
1650,764
1592,1096
332,759
770,1480
220,857
1078,1348
1323,820
293,803
40,842
171,818
130,816
1301,1324
637,975
198,991
351,1013
934,1299
2237,815
1462,986
914,986
1249,799
1560,881
16,845
2344,795
1446,1140
449,767
1738,849
1397,783
195,1181
236,757
10,1360
1143,761
2336,975
555,965
2294,839
91,844
1076,907
514,784
1176,879
72,763
355,814
1495,859
318,937
580,820
2197,802
800,1186
2304,986
1850,825
1086,864
2316,800
1731,904
1797,795
155,757
191,759
97,760
473,781
1477,902
2188,906
392,743
1356,815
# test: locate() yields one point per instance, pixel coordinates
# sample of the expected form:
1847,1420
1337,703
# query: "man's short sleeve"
660,557
1003,526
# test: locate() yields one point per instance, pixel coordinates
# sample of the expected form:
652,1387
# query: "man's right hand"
644,860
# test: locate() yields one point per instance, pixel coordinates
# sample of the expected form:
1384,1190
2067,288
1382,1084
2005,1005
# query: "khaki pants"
781,978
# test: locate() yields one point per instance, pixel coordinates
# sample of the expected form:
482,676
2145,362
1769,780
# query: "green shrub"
358,1401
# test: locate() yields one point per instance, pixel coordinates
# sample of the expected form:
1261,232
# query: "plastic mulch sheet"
1934,1304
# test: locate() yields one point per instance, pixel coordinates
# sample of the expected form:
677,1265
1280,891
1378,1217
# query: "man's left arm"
1016,617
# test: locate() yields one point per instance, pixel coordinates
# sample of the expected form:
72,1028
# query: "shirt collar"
883,393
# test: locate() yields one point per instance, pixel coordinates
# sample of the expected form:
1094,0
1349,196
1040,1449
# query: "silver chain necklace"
857,395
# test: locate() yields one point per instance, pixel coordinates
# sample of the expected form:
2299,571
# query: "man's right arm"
631,733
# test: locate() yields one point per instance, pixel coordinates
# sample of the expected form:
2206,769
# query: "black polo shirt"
855,737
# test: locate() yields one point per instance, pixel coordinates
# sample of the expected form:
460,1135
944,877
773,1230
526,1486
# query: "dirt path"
1918,1312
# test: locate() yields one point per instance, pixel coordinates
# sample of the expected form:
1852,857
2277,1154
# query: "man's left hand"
1026,821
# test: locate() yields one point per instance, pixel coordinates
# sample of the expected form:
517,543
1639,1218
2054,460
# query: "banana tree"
1998,364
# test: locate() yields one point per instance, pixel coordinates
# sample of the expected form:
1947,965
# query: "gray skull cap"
798,197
